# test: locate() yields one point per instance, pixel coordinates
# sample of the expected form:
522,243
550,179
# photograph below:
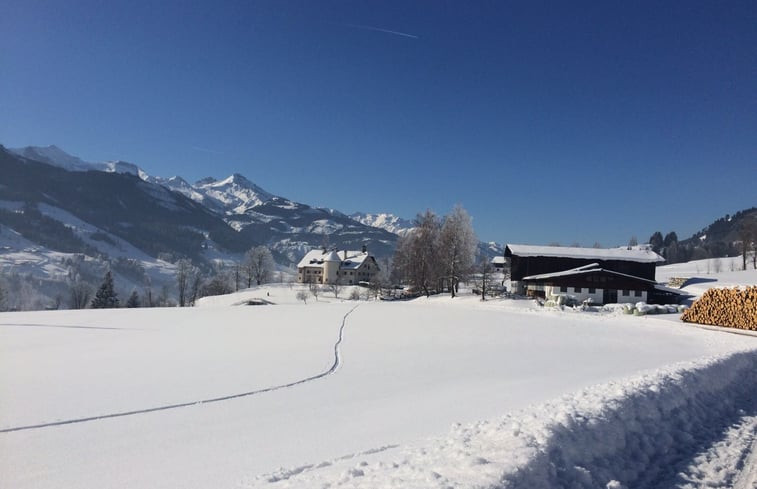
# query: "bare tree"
335,288
258,265
718,265
184,272
486,270
457,247
302,296
315,289
237,276
416,259
80,293
195,285
147,294
633,242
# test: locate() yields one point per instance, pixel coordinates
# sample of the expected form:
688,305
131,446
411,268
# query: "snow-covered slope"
701,275
55,156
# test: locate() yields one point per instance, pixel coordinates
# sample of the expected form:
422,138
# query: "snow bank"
646,431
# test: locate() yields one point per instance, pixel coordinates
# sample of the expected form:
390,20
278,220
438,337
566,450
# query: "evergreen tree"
656,241
106,297
133,300
670,238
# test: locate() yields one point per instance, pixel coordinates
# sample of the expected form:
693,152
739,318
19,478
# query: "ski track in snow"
331,370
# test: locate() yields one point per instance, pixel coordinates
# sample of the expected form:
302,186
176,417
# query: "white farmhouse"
345,267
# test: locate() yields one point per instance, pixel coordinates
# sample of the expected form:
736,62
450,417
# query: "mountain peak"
238,179
205,181
235,193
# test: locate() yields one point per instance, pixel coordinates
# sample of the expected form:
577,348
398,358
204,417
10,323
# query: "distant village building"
330,266
601,276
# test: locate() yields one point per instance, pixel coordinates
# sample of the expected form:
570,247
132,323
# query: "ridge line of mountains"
228,216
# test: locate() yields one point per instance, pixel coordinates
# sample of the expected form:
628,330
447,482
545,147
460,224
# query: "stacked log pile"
734,308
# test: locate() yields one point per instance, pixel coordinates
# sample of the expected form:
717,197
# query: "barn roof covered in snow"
637,254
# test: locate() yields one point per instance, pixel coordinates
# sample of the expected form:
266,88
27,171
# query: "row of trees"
678,252
438,254
192,282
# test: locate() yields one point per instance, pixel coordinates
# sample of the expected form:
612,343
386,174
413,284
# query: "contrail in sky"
378,29
205,150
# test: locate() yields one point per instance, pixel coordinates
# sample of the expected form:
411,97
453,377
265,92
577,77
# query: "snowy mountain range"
390,222
250,215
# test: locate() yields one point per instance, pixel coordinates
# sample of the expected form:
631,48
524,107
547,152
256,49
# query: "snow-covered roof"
498,260
331,256
350,260
637,255
584,270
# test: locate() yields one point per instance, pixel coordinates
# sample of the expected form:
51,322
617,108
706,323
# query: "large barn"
601,276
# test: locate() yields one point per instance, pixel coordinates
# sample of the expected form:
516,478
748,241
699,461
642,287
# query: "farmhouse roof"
352,260
332,256
637,255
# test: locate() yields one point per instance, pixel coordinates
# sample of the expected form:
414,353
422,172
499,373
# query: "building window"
626,293
563,289
592,290
637,293
577,290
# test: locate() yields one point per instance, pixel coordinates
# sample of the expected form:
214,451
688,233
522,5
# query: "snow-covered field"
708,273
427,393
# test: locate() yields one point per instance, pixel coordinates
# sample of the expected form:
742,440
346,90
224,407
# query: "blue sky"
549,122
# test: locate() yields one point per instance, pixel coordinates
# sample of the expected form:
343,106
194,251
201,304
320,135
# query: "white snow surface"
642,255
236,193
535,398
389,222
55,156
703,275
